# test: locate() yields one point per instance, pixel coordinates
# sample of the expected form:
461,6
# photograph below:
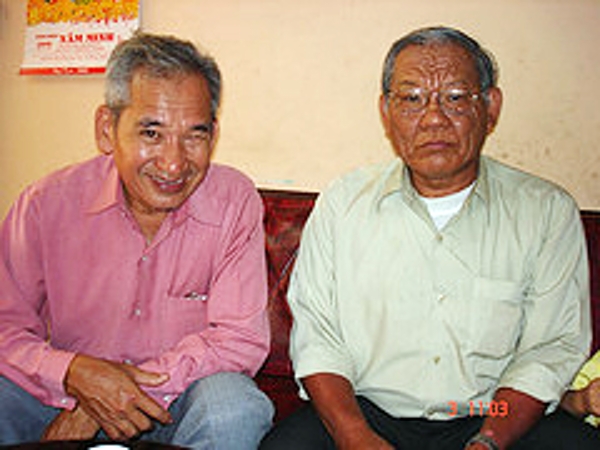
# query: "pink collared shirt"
76,276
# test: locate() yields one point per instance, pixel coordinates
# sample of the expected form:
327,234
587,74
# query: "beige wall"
301,84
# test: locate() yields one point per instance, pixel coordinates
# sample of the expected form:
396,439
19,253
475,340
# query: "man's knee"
22,417
231,396
226,409
302,430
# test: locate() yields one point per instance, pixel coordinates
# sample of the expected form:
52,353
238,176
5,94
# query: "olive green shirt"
429,323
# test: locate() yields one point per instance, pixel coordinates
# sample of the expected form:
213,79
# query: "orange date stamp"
493,408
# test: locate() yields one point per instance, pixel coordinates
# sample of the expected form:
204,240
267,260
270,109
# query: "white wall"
301,82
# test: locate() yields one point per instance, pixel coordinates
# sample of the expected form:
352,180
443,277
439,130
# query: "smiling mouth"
169,186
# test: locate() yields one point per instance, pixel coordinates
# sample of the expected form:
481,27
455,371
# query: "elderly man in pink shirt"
133,285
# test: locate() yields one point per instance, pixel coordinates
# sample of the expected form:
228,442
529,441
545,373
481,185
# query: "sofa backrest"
591,225
285,215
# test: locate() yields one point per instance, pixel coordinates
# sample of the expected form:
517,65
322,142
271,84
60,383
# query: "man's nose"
434,113
433,109
172,158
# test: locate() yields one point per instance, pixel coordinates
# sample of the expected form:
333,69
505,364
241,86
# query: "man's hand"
477,446
591,398
110,394
75,425
584,401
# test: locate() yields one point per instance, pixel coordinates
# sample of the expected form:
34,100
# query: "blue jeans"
222,411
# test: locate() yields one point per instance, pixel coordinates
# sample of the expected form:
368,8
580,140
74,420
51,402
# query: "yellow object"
56,11
589,372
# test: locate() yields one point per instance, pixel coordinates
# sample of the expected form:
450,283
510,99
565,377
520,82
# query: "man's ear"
494,106
214,135
105,129
384,112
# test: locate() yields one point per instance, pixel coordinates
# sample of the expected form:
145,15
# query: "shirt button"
441,297
64,401
145,258
436,360
439,237
167,398
137,312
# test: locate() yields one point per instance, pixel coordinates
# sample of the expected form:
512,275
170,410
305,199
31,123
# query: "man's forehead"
143,76
186,93
435,58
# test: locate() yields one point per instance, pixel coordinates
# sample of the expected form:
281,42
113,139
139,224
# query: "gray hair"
159,56
483,59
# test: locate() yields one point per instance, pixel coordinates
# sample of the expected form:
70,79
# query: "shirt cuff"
535,380
53,370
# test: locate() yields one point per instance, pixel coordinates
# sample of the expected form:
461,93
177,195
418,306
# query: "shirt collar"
110,193
397,180
205,205
482,185
201,206
393,180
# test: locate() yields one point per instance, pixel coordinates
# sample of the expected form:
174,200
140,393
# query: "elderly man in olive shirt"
440,301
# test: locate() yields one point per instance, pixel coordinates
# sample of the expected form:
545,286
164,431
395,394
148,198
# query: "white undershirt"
442,209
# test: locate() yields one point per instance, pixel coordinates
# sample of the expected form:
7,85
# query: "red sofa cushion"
285,215
591,225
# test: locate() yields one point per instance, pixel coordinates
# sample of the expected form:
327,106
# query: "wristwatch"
488,441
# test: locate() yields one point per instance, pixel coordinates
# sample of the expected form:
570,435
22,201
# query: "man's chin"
169,207
440,168
165,205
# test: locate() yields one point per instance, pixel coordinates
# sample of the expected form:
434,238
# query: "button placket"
143,274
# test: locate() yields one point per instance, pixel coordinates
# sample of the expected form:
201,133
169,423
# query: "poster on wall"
75,36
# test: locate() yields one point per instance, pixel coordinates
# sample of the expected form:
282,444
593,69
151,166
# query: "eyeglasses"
453,101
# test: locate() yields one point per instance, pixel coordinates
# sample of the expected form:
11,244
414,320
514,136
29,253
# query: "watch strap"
488,441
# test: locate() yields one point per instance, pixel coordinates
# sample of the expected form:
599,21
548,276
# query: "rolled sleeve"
317,343
557,328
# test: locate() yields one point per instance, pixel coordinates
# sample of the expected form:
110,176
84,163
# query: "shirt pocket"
497,318
186,311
